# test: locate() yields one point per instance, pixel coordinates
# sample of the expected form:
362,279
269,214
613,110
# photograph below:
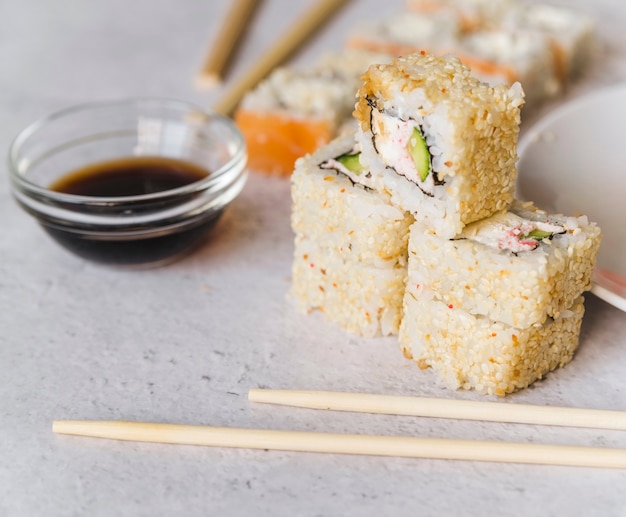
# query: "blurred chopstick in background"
298,32
222,48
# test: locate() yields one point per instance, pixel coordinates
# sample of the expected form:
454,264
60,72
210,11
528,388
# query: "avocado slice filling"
351,162
538,235
418,150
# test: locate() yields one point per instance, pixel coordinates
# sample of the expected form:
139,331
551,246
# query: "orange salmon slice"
276,140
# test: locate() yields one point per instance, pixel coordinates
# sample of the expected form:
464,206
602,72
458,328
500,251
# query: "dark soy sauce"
132,176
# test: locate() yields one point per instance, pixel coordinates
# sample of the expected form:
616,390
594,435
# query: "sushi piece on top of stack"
441,142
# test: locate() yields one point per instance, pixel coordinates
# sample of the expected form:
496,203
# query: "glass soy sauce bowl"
131,183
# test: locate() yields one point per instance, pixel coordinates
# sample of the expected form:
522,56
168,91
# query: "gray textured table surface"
185,342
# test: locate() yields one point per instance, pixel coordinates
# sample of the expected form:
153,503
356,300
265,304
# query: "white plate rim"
530,136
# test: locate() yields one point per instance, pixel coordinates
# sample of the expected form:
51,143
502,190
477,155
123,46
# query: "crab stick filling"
510,232
402,146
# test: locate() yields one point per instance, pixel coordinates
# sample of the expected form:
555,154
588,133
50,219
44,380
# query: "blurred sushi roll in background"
571,35
473,14
406,33
495,54
293,112
441,142
506,56
350,253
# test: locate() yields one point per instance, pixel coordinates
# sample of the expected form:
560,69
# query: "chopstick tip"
207,81
57,426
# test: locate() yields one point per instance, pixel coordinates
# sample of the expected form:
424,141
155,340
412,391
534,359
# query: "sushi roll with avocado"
474,352
350,244
519,267
355,222
440,141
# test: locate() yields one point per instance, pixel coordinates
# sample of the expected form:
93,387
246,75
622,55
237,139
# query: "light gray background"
184,343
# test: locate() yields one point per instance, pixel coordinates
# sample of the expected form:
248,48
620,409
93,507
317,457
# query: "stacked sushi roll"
490,287
350,254
520,267
500,305
439,140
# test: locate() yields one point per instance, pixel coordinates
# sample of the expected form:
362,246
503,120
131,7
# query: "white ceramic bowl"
573,161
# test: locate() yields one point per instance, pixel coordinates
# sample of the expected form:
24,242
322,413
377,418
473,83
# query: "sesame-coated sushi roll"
441,142
350,246
360,298
473,352
356,222
519,267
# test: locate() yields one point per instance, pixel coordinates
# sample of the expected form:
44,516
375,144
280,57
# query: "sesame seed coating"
471,129
472,352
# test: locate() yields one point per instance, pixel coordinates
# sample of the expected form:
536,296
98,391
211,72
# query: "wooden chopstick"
299,31
444,408
225,43
296,441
